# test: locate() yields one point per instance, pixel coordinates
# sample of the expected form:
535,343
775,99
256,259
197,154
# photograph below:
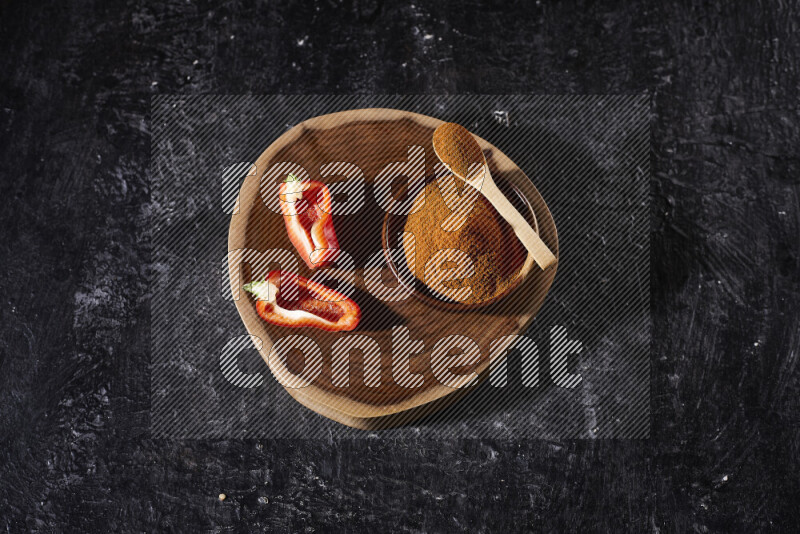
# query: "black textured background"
74,155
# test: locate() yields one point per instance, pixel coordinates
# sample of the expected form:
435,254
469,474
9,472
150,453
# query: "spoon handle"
529,238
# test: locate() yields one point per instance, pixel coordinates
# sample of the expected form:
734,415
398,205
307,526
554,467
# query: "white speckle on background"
501,117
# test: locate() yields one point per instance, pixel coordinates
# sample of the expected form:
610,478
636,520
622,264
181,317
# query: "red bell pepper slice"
317,306
306,208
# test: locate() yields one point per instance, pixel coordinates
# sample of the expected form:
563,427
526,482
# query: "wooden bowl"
393,226
372,138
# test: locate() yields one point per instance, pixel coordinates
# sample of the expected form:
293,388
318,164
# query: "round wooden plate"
371,139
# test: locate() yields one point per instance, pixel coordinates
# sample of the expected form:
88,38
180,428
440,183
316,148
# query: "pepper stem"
259,289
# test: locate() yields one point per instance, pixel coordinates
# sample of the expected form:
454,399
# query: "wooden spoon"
460,152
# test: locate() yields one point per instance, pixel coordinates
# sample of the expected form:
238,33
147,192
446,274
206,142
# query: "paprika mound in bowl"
456,257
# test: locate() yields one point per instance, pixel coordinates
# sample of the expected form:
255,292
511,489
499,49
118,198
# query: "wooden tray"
372,138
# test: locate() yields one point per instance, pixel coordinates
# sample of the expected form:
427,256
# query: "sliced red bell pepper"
306,208
317,306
